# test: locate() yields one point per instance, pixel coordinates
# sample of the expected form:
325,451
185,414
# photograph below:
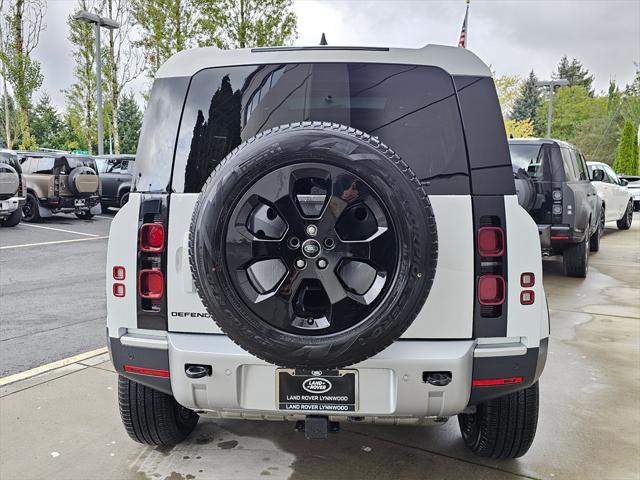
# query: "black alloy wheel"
312,247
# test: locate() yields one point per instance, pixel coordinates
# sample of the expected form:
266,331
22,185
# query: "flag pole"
466,40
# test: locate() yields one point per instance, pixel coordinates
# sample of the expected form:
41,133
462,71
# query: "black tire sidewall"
407,206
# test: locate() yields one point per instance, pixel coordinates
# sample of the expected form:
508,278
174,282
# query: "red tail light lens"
119,290
119,273
527,297
152,237
527,280
153,372
494,382
490,241
151,284
491,290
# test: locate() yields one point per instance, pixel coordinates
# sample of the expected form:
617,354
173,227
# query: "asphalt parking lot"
53,306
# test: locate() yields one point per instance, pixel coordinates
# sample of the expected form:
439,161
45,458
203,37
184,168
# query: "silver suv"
326,234
12,189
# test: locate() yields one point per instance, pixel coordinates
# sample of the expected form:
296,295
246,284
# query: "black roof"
540,141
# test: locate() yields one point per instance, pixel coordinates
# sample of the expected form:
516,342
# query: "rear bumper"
558,236
390,384
68,204
10,205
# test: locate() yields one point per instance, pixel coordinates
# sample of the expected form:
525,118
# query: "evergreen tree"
575,73
14,122
129,123
528,101
626,161
47,127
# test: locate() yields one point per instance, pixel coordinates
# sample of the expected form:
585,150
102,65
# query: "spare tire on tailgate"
525,188
313,245
82,180
9,181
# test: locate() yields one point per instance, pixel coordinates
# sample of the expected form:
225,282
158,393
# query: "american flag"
462,43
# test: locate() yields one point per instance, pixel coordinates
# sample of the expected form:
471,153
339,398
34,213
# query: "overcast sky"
513,36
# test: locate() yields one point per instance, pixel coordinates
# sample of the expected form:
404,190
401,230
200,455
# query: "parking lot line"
61,230
106,218
8,247
50,366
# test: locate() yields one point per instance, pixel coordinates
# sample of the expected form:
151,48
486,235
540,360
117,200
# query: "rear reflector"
527,280
490,241
119,290
151,283
496,382
119,273
152,237
559,237
146,371
491,290
527,297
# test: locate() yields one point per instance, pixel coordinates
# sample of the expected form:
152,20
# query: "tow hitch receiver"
317,427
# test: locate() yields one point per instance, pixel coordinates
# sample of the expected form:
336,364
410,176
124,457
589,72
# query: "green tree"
81,95
166,27
129,123
528,101
246,23
24,23
572,106
507,88
46,125
575,73
10,120
626,161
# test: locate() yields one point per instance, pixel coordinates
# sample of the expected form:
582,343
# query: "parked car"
633,184
329,243
617,204
115,175
565,205
60,183
12,189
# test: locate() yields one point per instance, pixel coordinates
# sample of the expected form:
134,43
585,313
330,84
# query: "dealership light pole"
98,22
559,82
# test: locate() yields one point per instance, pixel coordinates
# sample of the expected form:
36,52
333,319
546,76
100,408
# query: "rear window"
526,156
413,109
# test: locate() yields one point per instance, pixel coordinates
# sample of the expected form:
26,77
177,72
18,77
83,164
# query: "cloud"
512,36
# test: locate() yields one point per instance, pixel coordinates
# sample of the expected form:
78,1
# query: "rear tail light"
491,290
151,284
119,273
527,280
119,290
527,297
490,241
152,238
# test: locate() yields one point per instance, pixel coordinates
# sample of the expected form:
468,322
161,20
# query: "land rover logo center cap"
311,248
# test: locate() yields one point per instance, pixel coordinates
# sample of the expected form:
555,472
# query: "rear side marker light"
151,284
527,297
527,280
490,241
493,382
119,290
152,237
491,290
147,371
119,273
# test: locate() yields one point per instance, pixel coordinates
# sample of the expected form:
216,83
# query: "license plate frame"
80,202
328,391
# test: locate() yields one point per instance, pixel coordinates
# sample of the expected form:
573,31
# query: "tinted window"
570,168
525,156
413,109
44,165
579,165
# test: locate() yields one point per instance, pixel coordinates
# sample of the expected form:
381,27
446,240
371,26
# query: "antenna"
323,40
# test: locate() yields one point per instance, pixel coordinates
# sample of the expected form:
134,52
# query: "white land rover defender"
326,234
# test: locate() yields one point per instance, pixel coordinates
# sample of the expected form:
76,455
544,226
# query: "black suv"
115,176
554,186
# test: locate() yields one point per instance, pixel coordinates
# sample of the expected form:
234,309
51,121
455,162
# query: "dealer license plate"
321,391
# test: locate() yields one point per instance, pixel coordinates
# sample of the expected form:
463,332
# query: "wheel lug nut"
300,264
311,230
294,242
322,263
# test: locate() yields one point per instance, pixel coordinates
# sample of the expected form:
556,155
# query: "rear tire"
576,259
152,417
594,241
124,199
503,427
625,222
30,211
13,219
